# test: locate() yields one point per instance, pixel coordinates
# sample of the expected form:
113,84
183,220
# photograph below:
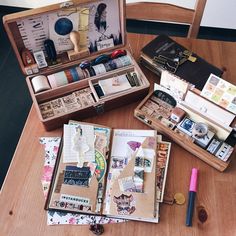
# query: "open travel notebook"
108,172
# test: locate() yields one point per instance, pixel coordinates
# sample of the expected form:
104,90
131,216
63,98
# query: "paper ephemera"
72,102
163,154
58,106
61,24
84,97
46,110
51,146
104,31
177,86
78,144
34,31
220,92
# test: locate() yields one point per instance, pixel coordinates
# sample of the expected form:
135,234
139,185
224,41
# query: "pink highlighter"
191,196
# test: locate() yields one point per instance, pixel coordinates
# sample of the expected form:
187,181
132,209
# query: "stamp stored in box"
75,59
201,127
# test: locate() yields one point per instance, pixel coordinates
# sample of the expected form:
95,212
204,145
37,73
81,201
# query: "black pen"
191,196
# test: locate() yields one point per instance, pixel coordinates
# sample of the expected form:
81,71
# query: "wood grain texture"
168,13
22,201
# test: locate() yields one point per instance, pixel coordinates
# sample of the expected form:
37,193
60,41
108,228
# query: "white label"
40,59
109,43
74,199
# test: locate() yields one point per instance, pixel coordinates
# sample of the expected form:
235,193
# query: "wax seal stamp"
97,229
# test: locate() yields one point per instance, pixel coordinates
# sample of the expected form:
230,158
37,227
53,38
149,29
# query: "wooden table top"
22,200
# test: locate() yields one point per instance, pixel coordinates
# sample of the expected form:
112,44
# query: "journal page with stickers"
79,177
131,185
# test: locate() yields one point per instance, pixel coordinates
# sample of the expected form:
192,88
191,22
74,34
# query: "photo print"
104,25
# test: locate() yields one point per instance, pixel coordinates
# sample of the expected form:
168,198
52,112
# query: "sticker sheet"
220,92
51,146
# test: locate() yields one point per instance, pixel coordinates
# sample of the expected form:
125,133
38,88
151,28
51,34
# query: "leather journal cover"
163,53
97,176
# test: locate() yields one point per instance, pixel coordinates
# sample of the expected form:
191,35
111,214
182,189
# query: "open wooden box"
24,30
216,121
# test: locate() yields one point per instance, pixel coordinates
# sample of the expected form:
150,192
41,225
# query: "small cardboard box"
66,87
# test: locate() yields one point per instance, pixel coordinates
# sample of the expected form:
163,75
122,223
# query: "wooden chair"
168,13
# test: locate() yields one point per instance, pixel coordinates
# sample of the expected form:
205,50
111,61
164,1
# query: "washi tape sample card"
220,92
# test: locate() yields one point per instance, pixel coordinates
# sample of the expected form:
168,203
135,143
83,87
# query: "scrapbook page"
131,173
83,182
51,146
79,179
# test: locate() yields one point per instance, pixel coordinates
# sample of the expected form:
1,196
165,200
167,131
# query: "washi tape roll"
118,53
91,71
86,73
101,59
99,69
199,130
69,76
84,64
74,74
126,60
40,83
108,66
118,63
58,79
80,73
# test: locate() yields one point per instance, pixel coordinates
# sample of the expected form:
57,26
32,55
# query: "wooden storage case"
18,39
187,142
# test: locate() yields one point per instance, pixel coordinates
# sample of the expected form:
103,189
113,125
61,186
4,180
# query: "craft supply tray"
148,113
75,83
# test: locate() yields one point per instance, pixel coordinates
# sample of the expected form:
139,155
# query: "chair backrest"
168,13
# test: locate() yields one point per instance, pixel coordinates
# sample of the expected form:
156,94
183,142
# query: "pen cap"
193,181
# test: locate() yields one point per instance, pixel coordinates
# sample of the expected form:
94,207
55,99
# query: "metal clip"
99,108
66,4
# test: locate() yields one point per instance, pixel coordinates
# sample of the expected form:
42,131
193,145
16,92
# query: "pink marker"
191,197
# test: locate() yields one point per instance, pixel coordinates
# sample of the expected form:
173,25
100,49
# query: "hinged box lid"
98,25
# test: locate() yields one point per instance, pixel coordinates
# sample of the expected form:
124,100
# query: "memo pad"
114,185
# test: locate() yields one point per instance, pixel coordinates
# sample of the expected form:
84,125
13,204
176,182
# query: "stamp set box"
202,122
75,59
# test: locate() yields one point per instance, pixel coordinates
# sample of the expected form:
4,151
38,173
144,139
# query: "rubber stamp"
78,52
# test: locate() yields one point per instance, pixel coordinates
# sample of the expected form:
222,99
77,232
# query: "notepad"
110,87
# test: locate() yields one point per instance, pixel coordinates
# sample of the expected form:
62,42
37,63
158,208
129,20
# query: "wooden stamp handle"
75,39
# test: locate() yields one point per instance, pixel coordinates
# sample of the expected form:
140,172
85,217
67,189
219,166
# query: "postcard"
104,26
